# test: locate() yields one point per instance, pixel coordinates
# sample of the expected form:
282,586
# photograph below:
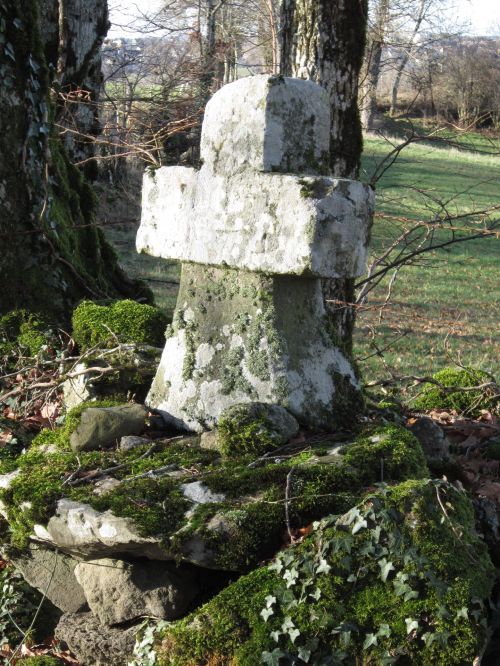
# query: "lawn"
443,309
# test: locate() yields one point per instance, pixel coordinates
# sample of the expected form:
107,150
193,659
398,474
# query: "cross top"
267,124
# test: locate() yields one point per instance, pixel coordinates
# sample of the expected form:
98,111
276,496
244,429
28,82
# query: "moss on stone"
371,587
126,321
469,402
387,453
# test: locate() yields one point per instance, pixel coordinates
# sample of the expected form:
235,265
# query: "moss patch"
126,321
247,526
469,402
388,581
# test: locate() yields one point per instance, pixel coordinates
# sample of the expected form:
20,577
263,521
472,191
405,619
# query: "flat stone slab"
80,530
272,223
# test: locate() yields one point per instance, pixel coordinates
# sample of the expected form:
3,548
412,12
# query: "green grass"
446,307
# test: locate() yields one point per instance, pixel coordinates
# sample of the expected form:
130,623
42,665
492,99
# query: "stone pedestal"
255,240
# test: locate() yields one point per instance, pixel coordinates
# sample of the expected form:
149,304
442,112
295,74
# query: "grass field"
445,308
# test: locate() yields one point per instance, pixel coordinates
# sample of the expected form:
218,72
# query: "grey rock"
279,423
210,441
53,574
80,530
434,442
198,493
119,591
94,644
105,485
131,442
102,427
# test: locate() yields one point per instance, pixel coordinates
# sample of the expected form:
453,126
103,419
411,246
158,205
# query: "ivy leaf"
463,612
384,631
323,567
273,658
411,625
385,568
275,635
270,601
291,576
316,595
266,613
304,654
287,625
428,638
294,634
359,525
371,639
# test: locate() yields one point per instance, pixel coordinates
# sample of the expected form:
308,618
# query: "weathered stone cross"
255,240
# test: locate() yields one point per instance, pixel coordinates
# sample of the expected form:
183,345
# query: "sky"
483,15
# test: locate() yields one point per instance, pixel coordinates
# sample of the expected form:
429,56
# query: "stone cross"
256,228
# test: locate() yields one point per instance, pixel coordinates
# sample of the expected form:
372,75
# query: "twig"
287,504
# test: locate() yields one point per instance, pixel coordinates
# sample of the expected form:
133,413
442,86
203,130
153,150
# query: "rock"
53,574
106,485
134,367
255,427
6,479
101,427
209,440
94,644
80,530
119,591
435,444
131,442
250,322
198,493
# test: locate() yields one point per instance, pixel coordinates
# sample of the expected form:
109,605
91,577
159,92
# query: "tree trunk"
408,52
376,41
324,41
52,254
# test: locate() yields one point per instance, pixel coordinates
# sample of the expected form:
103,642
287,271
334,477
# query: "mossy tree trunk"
51,253
324,41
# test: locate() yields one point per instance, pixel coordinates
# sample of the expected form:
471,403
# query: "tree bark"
52,254
376,41
324,41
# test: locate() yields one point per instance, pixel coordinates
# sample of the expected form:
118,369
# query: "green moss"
23,330
387,453
369,587
241,433
470,402
126,320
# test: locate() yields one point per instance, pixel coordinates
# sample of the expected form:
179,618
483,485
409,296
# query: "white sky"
483,15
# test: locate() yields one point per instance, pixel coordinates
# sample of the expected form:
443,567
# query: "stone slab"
80,530
119,591
272,223
53,574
